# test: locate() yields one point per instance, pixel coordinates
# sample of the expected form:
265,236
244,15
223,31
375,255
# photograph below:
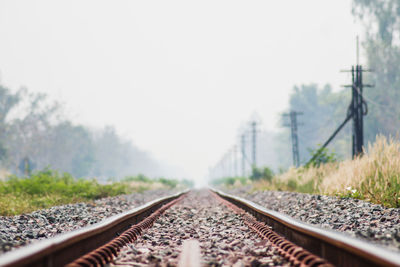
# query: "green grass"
49,188
138,178
258,174
230,181
167,182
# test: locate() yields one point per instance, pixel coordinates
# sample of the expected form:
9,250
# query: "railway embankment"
357,218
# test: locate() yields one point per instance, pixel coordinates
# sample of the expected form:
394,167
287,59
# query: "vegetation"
47,188
258,174
323,111
35,134
373,177
230,181
162,182
382,24
321,156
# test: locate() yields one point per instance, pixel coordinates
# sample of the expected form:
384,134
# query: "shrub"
230,181
172,183
321,156
138,178
261,174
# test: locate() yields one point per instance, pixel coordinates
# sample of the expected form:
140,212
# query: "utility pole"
254,143
220,168
357,110
358,107
228,164
231,157
235,161
243,148
295,139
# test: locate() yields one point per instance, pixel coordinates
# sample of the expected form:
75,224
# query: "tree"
8,101
382,24
71,149
27,135
382,18
323,111
261,174
321,157
37,136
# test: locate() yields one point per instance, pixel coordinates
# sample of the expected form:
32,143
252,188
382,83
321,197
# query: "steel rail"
65,248
337,248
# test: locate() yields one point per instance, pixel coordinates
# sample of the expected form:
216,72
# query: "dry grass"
374,177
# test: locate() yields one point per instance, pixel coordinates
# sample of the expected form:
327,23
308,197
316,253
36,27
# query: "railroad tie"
190,255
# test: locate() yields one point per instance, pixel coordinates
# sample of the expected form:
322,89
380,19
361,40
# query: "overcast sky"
176,77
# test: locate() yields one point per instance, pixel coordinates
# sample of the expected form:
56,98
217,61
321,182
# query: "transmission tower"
295,139
235,160
254,143
243,150
358,108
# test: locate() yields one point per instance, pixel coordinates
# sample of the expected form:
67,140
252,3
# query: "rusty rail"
65,248
335,247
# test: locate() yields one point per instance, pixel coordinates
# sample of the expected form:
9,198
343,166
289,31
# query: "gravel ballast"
223,237
17,231
357,218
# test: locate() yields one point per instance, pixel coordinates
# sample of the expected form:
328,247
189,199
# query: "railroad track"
218,228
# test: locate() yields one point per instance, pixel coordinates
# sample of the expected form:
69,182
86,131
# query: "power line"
383,107
357,110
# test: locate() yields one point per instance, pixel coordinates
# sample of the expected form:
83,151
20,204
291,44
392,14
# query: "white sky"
176,77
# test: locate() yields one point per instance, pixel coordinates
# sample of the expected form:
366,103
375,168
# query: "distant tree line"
35,135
